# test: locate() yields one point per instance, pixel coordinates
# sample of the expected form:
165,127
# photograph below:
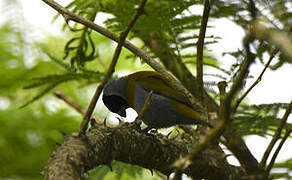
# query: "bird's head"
114,96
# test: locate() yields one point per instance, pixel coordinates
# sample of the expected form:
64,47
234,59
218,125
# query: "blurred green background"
31,66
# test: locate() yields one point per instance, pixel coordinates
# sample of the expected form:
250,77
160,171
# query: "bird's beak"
122,112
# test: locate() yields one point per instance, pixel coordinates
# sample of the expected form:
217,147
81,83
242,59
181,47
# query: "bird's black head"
116,104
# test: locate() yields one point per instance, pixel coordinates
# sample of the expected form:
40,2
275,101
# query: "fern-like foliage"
53,80
169,22
258,119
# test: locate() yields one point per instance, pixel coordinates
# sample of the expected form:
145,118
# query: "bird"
168,107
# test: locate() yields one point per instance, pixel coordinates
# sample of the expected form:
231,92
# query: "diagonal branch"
272,162
243,71
110,70
255,83
277,135
59,94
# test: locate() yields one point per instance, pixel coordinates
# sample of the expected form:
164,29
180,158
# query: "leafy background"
35,61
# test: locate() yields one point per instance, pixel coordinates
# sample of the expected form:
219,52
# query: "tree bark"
127,144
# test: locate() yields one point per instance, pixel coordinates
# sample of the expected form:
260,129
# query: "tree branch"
146,104
277,135
77,156
255,83
243,71
59,94
211,136
272,162
200,48
110,70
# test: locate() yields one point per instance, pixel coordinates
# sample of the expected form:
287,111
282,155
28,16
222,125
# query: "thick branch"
243,71
76,156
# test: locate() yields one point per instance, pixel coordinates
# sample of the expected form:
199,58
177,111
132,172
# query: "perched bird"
167,108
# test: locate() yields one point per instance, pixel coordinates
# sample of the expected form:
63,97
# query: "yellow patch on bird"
134,78
186,110
131,92
156,82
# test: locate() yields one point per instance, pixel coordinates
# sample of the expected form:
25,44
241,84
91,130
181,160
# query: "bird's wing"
159,84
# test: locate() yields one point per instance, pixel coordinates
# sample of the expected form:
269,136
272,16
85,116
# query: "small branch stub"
222,87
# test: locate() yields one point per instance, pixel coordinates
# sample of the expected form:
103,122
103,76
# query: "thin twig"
255,83
277,135
110,70
144,108
59,94
146,105
272,162
134,49
200,48
259,78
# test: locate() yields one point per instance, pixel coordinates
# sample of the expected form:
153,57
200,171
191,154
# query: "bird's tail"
205,123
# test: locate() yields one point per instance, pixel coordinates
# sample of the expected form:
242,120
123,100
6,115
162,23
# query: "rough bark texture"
76,156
